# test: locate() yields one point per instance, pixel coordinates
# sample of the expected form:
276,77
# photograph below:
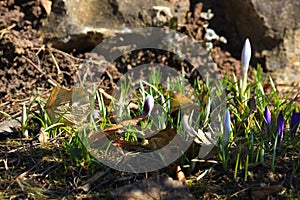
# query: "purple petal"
227,126
148,105
280,126
295,120
267,115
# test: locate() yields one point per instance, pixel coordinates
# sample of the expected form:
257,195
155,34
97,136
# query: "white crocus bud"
148,105
245,60
246,56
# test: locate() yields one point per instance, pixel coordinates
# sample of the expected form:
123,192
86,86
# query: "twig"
22,147
55,62
238,192
40,49
16,114
3,31
87,184
110,78
4,104
34,65
106,95
6,166
18,179
64,53
52,82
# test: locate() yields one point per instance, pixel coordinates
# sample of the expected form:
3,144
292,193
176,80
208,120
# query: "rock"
82,24
273,27
7,127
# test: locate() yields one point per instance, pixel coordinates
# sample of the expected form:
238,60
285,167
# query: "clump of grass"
254,129
253,139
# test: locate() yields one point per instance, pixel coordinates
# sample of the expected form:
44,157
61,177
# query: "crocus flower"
280,126
148,105
245,59
295,120
246,56
268,119
227,126
267,115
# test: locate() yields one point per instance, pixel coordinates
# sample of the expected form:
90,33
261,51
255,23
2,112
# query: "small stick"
55,62
33,64
3,31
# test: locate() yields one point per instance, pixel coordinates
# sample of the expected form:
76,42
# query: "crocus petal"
295,120
246,56
280,126
148,105
227,126
267,115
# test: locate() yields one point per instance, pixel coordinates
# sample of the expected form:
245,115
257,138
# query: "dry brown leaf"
180,101
47,5
72,105
162,138
261,192
100,138
111,133
117,127
97,138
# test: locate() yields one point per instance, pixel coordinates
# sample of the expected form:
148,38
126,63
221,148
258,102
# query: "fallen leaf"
99,139
70,105
117,127
47,5
180,101
261,192
162,138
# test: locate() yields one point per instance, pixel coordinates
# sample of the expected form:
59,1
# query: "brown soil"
29,66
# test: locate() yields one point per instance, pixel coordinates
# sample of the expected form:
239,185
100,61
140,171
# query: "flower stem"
274,154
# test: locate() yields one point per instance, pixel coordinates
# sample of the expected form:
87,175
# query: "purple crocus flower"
295,120
148,105
267,115
280,126
227,126
268,120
